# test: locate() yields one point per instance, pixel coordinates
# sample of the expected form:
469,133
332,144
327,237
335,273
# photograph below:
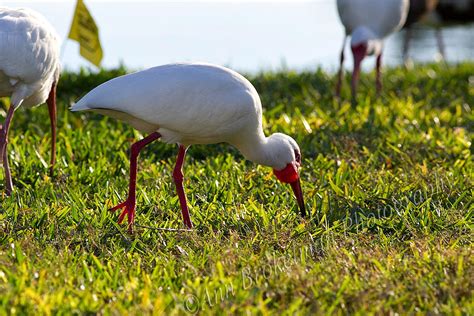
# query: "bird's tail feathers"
79,106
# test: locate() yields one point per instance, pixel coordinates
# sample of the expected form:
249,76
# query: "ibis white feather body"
193,103
185,103
373,19
29,72
29,56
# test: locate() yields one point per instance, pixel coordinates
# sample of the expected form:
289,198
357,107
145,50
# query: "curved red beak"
290,175
296,186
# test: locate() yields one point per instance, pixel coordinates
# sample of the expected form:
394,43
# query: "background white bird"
368,22
193,104
29,71
420,9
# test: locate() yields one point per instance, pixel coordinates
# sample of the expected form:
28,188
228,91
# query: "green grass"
389,184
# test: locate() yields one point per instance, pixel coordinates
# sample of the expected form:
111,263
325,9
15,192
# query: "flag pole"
64,43
63,49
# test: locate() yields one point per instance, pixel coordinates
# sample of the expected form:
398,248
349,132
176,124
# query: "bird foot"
128,209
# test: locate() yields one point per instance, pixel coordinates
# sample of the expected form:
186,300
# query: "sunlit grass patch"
389,185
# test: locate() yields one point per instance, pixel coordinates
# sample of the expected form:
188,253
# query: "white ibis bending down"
419,9
193,104
29,71
368,22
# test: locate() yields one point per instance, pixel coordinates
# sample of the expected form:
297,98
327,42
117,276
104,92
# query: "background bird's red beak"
290,175
359,52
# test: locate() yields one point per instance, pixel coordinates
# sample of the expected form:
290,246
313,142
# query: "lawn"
389,184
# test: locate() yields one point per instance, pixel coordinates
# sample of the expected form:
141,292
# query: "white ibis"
29,71
419,9
368,22
193,104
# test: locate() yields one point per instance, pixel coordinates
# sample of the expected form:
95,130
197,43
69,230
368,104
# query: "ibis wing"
197,103
29,46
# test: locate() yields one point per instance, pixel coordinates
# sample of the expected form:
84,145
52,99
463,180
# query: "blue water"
247,36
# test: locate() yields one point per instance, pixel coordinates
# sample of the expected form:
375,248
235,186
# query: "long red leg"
378,75
8,176
341,69
52,117
129,204
3,150
178,181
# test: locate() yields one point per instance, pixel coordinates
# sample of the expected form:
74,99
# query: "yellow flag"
85,32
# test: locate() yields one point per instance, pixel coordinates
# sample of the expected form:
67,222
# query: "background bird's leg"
52,116
406,44
3,150
354,82
439,40
378,75
130,204
341,69
178,181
